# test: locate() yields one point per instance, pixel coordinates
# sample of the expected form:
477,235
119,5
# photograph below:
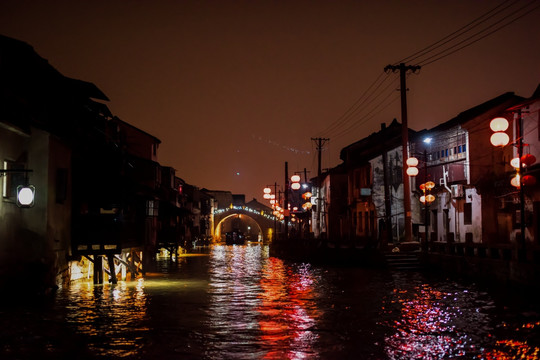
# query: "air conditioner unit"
457,191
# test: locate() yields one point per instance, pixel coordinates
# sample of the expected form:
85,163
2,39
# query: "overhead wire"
361,112
438,56
462,30
360,101
387,91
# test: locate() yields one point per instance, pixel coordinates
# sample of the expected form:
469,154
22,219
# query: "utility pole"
402,68
286,202
320,142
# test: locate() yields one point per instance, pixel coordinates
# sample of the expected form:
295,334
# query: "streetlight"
25,193
427,198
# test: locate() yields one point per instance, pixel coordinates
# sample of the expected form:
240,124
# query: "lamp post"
500,139
25,193
427,198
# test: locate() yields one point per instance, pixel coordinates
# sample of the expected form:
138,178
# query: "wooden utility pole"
402,68
286,202
320,142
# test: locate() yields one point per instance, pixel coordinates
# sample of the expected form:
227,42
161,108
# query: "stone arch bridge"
264,220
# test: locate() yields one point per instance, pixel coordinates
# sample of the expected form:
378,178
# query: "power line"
435,58
464,29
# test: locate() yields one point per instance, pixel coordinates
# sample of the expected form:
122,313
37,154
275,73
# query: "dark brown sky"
240,87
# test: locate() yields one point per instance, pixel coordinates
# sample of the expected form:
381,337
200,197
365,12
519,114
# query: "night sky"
233,89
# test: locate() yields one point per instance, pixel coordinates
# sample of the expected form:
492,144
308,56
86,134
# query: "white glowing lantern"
499,139
515,182
295,178
412,171
499,124
295,186
266,196
25,196
515,163
412,161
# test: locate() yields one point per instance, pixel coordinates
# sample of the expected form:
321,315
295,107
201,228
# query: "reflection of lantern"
528,180
515,181
499,139
528,160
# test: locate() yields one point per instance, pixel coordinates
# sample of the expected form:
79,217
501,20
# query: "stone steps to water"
403,261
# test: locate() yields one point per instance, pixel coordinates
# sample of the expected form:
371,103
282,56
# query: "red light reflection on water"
424,329
287,313
516,349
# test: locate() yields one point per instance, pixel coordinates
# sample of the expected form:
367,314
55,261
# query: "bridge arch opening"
237,221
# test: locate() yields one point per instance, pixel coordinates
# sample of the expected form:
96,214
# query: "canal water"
237,302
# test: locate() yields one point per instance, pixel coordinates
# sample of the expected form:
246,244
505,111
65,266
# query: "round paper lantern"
499,139
430,185
528,159
295,178
499,124
515,181
528,180
412,171
412,161
295,186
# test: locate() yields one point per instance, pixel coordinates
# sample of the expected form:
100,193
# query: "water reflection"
259,308
443,321
288,311
237,302
110,317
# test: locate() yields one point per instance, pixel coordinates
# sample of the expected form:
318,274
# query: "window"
467,213
12,179
463,147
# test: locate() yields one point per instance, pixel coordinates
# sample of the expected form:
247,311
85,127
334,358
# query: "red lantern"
528,180
528,159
